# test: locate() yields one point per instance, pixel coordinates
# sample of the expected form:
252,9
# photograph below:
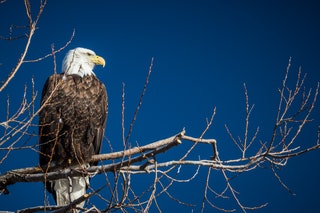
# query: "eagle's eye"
89,54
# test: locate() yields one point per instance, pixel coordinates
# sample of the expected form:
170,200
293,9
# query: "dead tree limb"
36,174
32,27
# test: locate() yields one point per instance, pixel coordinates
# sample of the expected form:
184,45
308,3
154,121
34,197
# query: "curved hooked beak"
98,60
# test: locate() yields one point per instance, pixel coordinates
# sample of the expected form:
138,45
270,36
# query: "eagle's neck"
79,69
73,65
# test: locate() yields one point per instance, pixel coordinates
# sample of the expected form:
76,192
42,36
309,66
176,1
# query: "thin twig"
140,102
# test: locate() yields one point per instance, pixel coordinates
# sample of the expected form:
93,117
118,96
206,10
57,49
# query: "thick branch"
136,150
35,174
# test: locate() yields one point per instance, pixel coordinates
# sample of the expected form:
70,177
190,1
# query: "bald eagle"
72,122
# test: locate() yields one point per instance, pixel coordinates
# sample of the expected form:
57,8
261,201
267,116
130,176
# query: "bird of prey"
72,120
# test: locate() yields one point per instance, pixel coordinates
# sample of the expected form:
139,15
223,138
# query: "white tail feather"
70,189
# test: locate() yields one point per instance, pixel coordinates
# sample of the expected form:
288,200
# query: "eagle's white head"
81,61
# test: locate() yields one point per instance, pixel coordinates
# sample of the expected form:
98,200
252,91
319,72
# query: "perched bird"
72,121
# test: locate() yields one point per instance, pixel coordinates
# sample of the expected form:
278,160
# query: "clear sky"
203,53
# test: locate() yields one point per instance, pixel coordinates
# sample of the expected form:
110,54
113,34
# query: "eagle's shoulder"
50,85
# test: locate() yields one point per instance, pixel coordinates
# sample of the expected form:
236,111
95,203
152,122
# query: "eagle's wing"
48,125
98,117
103,119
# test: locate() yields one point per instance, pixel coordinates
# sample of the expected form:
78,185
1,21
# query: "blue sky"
203,53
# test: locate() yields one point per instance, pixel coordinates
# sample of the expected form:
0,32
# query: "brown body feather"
73,119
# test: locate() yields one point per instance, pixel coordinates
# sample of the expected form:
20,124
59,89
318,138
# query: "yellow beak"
98,60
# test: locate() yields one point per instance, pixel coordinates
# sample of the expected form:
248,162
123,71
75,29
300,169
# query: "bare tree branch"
32,27
52,52
139,104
